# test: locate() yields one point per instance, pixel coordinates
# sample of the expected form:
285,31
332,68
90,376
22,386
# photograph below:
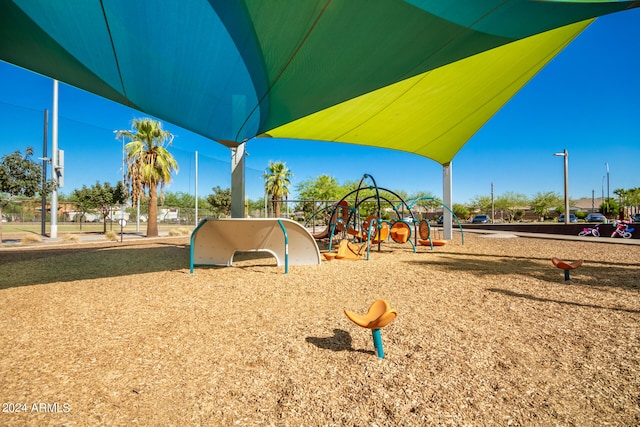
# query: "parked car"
572,218
594,217
480,219
636,217
440,220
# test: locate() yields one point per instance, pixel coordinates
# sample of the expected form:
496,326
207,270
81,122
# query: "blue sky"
587,100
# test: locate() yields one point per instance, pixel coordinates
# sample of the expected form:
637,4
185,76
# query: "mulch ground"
487,333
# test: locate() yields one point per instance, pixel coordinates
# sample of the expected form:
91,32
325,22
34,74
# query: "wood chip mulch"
487,333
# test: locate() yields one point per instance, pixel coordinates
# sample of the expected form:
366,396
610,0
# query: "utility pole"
493,206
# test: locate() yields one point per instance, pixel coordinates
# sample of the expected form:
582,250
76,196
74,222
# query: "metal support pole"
196,188
608,182
567,211
45,143
122,202
237,181
447,196
54,163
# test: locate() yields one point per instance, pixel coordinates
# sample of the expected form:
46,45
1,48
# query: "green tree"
324,187
149,164
542,203
220,201
610,208
428,200
104,197
179,199
256,207
481,203
628,199
511,203
82,199
461,211
634,199
19,176
348,186
277,182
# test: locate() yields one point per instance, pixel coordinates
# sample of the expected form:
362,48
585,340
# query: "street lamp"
608,208
567,214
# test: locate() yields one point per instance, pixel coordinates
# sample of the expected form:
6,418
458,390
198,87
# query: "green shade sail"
420,76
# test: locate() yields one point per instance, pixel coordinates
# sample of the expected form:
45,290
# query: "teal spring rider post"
380,314
377,343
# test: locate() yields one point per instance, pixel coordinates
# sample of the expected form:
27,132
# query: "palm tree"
149,164
277,182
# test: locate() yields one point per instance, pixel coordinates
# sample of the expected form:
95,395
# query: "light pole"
122,202
567,213
608,208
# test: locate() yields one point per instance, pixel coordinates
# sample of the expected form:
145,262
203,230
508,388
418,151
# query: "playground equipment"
380,314
339,215
424,227
373,230
567,267
215,241
345,221
347,250
425,232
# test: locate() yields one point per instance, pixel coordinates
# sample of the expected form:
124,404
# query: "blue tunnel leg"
377,342
567,275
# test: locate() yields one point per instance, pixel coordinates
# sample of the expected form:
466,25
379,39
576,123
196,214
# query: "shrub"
70,238
30,239
179,231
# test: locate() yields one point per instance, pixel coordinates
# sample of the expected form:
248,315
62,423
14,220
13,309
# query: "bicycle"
622,229
595,231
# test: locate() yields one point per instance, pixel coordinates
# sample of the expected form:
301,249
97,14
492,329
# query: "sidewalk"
610,240
86,238
9,244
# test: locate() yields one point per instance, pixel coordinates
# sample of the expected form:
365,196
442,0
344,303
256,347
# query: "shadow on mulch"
600,273
576,304
34,267
340,341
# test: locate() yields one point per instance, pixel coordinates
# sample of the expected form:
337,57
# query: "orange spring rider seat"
380,314
567,267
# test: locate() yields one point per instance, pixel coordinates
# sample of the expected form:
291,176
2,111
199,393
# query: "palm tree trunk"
152,222
276,202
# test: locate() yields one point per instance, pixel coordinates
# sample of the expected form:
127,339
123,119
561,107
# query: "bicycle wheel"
626,235
582,233
596,233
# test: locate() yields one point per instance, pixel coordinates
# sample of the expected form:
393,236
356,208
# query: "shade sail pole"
447,198
196,187
54,164
237,181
